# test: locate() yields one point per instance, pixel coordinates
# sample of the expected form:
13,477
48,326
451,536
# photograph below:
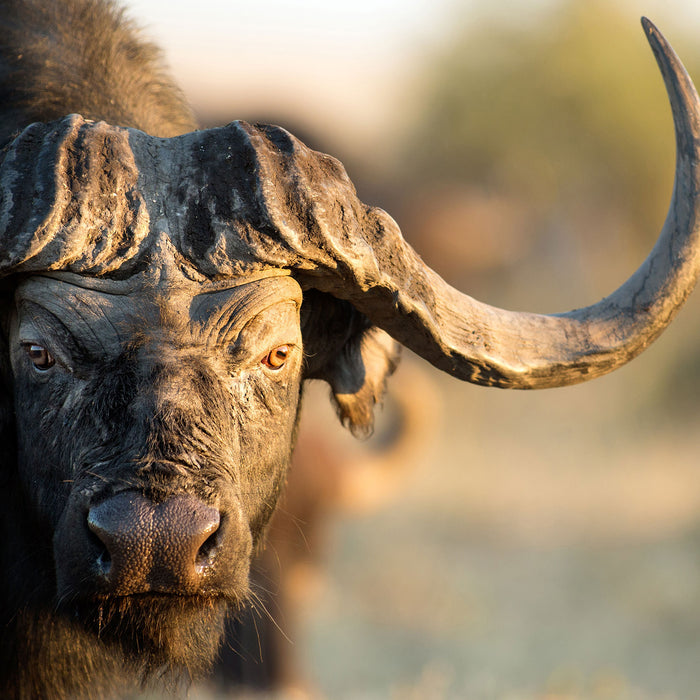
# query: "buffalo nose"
161,547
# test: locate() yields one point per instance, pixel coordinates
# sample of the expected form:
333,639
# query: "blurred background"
533,545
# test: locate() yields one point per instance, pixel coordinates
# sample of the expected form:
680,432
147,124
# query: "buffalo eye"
276,359
41,358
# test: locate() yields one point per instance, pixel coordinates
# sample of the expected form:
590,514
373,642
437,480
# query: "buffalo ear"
343,348
358,377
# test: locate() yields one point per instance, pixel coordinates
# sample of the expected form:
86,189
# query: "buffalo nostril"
100,544
103,559
207,552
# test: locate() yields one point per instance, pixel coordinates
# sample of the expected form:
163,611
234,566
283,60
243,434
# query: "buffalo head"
165,299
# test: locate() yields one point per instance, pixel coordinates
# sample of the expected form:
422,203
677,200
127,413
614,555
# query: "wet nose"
144,546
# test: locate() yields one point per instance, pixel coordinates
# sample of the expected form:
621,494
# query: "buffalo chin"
161,635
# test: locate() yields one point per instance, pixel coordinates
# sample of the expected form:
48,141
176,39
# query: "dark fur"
83,56
119,412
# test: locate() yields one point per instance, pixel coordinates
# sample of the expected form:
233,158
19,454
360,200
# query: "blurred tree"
567,113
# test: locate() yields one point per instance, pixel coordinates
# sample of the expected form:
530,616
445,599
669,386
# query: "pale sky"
326,63
322,62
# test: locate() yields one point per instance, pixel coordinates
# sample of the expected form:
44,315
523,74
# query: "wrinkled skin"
176,396
168,385
157,391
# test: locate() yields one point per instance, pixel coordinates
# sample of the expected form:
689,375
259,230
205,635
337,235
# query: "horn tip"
649,26
653,35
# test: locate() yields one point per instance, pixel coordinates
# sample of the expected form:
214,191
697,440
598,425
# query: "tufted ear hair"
342,347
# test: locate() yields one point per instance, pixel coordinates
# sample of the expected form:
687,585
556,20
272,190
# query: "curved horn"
494,347
92,199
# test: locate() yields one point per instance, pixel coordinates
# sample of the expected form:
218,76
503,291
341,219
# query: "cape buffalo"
165,294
